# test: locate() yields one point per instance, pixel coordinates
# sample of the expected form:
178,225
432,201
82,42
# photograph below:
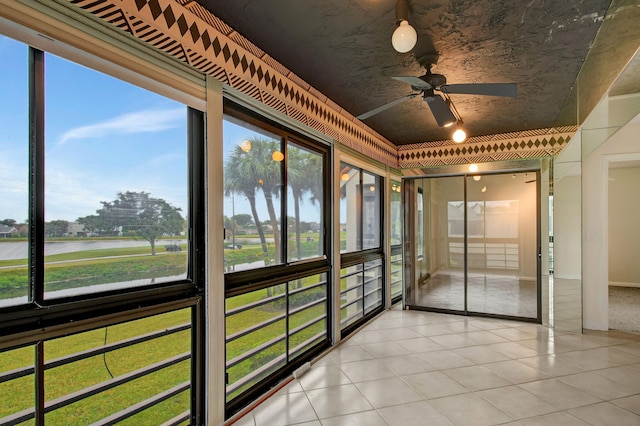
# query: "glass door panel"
502,261
439,262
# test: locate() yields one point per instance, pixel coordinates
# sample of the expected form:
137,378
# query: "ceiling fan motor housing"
434,80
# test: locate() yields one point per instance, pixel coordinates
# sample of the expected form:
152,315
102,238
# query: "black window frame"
40,318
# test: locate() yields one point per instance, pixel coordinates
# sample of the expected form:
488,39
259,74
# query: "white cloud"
146,121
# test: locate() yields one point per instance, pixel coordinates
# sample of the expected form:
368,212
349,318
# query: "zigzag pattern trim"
506,146
190,33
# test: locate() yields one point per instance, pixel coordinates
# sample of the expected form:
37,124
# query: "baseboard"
620,284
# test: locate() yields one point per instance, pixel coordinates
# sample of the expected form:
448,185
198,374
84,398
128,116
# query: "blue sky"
102,136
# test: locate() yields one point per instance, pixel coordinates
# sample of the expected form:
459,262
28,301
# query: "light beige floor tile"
421,344
434,384
585,361
560,394
554,419
630,403
445,359
385,349
484,337
431,330
627,375
337,401
400,333
459,327
552,366
284,410
406,364
480,354
513,350
613,355
386,392
516,372
541,346
476,378
369,336
245,420
364,418
517,402
323,377
606,414
598,385
360,371
451,341
470,409
349,353
292,387
633,348
414,414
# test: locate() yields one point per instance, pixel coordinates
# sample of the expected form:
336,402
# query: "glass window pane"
14,172
351,296
172,346
253,192
116,192
350,209
305,195
371,193
256,337
395,210
18,393
372,285
307,313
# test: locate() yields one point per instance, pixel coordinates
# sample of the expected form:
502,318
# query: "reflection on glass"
18,393
305,195
116,183
350,214
395,211
14,175
78,374
371,210
253,193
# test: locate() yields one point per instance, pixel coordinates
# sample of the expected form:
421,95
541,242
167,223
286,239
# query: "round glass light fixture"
473,168
404,38
245,146
459,135
277,156
477,178
344,177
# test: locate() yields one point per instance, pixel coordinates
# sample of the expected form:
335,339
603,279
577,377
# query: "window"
116,194
276,264
395,226
361,276
101,246
14,172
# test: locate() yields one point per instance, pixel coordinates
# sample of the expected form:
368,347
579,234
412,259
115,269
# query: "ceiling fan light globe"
459,136
404,38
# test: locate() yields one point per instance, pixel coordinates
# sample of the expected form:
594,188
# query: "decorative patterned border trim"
500,147
190,33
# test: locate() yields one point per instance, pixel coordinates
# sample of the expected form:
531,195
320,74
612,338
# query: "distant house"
8,231
75,229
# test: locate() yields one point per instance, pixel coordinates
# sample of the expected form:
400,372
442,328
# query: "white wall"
595,168
624,226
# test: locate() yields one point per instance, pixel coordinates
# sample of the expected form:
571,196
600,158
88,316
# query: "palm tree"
239,179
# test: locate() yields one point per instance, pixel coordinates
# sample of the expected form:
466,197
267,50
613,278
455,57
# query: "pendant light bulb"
404,38
459,135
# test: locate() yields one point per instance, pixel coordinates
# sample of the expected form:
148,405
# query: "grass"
18,394
112,265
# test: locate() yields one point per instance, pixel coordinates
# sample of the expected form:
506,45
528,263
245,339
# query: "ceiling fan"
441,107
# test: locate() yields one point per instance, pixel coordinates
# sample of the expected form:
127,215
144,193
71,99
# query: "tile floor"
417,368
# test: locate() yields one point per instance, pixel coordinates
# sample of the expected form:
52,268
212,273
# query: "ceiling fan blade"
509,90
387,106
416,82
440,110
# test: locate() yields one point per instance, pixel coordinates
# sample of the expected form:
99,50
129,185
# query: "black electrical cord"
104,355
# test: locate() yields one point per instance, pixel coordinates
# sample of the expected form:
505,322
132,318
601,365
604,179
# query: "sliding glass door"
474,244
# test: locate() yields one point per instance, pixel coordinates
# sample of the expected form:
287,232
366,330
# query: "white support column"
215,361
336,243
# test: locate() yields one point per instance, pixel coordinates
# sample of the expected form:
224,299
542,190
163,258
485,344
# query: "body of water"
18,249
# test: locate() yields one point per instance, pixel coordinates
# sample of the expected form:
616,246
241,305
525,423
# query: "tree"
56,228
137,214
8,222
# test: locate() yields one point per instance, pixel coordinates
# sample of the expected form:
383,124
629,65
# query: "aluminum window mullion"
36,175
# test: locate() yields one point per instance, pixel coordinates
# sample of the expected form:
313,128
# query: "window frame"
238,282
